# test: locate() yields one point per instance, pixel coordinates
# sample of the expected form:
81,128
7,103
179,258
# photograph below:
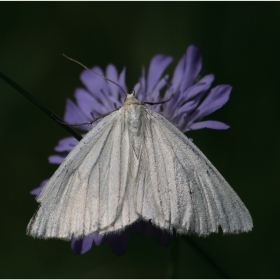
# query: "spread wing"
91,190
178,187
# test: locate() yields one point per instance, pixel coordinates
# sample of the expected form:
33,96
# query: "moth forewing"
89,192
190,194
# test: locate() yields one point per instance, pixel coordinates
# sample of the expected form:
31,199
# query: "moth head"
131,99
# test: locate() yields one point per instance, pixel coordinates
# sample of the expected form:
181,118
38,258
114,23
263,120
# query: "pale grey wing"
89,193
178,187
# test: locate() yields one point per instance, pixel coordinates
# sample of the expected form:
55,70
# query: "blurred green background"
240,45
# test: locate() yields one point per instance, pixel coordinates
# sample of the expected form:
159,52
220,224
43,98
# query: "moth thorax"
134,114
130,99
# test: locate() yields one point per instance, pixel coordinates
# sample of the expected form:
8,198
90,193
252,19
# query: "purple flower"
192,100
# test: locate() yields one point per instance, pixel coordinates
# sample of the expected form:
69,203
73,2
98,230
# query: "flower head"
192,99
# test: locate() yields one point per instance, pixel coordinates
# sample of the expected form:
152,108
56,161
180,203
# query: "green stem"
40,105
175,257
202,253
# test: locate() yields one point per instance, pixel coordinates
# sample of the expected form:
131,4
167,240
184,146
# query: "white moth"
136,165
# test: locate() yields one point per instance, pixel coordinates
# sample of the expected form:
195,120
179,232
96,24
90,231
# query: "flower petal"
170,108
98,239
81,246
112,74
186,111
98,87
94,82
66,144
192,68
203,85
155,95
209,124
74,115
142,80
157,67
140,87
88,104
180,121
217,97
119,241
57,159
178,73
137,88
122,81
38,190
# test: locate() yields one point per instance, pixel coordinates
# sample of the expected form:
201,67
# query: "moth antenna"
96,73
155,103
85,123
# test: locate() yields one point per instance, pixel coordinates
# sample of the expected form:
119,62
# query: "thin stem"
40,105
174,259
202,253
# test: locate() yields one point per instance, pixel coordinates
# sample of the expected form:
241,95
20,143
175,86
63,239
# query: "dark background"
240,45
